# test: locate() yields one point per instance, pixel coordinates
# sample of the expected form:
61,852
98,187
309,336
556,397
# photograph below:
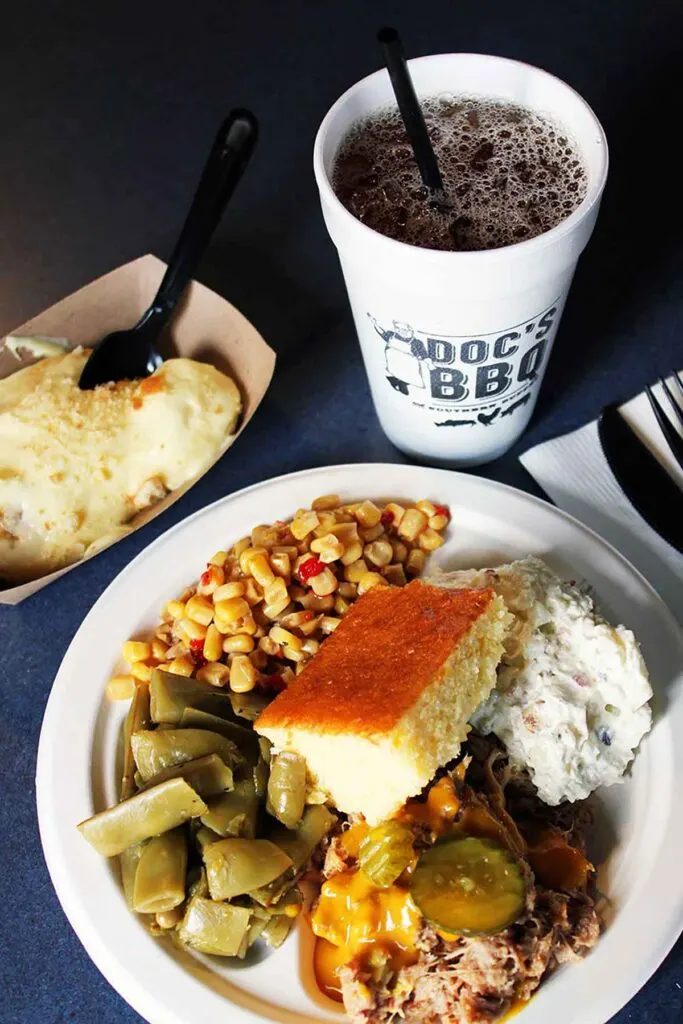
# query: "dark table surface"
106,112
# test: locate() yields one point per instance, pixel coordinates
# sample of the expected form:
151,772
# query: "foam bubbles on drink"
509,173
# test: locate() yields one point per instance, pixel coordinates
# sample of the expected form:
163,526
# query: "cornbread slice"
386,700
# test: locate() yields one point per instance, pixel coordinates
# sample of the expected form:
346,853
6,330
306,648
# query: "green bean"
245,740
128,863
156,750
207,775
277,930
248,705
272,894
142,816
197,884
234,813
289,904
287,788
137,718
386,852
204,836
160,875
300,844
236,866
171,694
218,929
255,928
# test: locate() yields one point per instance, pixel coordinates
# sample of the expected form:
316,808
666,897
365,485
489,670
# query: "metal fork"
673,438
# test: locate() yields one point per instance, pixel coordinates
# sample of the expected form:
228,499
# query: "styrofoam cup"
455,344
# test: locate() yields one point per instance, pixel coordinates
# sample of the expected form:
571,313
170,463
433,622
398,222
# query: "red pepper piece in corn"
387,517
442,510
310,568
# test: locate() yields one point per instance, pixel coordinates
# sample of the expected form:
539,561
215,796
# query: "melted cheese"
75,466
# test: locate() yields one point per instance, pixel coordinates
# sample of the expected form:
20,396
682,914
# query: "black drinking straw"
411,113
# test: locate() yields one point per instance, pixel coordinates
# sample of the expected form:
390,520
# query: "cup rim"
523,248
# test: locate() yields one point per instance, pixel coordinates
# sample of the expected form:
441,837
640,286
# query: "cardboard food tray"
206,327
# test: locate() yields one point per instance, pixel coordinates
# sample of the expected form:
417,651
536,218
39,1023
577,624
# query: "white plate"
642,829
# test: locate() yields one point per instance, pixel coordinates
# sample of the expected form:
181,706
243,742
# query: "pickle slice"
468,886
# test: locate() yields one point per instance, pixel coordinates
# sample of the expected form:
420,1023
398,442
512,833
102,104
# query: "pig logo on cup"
448,374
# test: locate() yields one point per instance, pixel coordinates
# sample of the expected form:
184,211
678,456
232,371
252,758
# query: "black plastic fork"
673,438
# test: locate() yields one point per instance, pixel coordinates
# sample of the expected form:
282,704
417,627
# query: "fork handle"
229,156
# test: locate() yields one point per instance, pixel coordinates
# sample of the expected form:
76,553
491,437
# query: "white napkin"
574,473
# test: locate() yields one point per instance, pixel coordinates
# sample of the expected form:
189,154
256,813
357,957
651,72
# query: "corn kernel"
311,602
175,609
415,562
224,628
277,607
275,591
412,524
159,649
219,559
427,507
242,674
210,580
120,687
296,619
252,593
213,644
367,514
324,583
281,564
136,650
303,524
246,556
163,632
214,673
180,634
379,552
367,536
285,549
341,606
268,646
328,624
231,610
438,522
395,575
327,521
326,502
354,571
141,671
399,549
240,644
259,568
328,548
182,666
430,540
235,588
368,581
349,591
311,627
310,647
283,636
176,651
300,667
397,512
291,655
264,536
246,625
194,630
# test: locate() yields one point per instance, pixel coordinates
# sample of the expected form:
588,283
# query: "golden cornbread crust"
388,649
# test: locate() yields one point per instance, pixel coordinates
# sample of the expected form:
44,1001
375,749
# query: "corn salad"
261,608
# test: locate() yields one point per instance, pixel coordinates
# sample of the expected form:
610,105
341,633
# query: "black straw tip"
387,35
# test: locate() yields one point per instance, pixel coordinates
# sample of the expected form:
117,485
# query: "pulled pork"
474,980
